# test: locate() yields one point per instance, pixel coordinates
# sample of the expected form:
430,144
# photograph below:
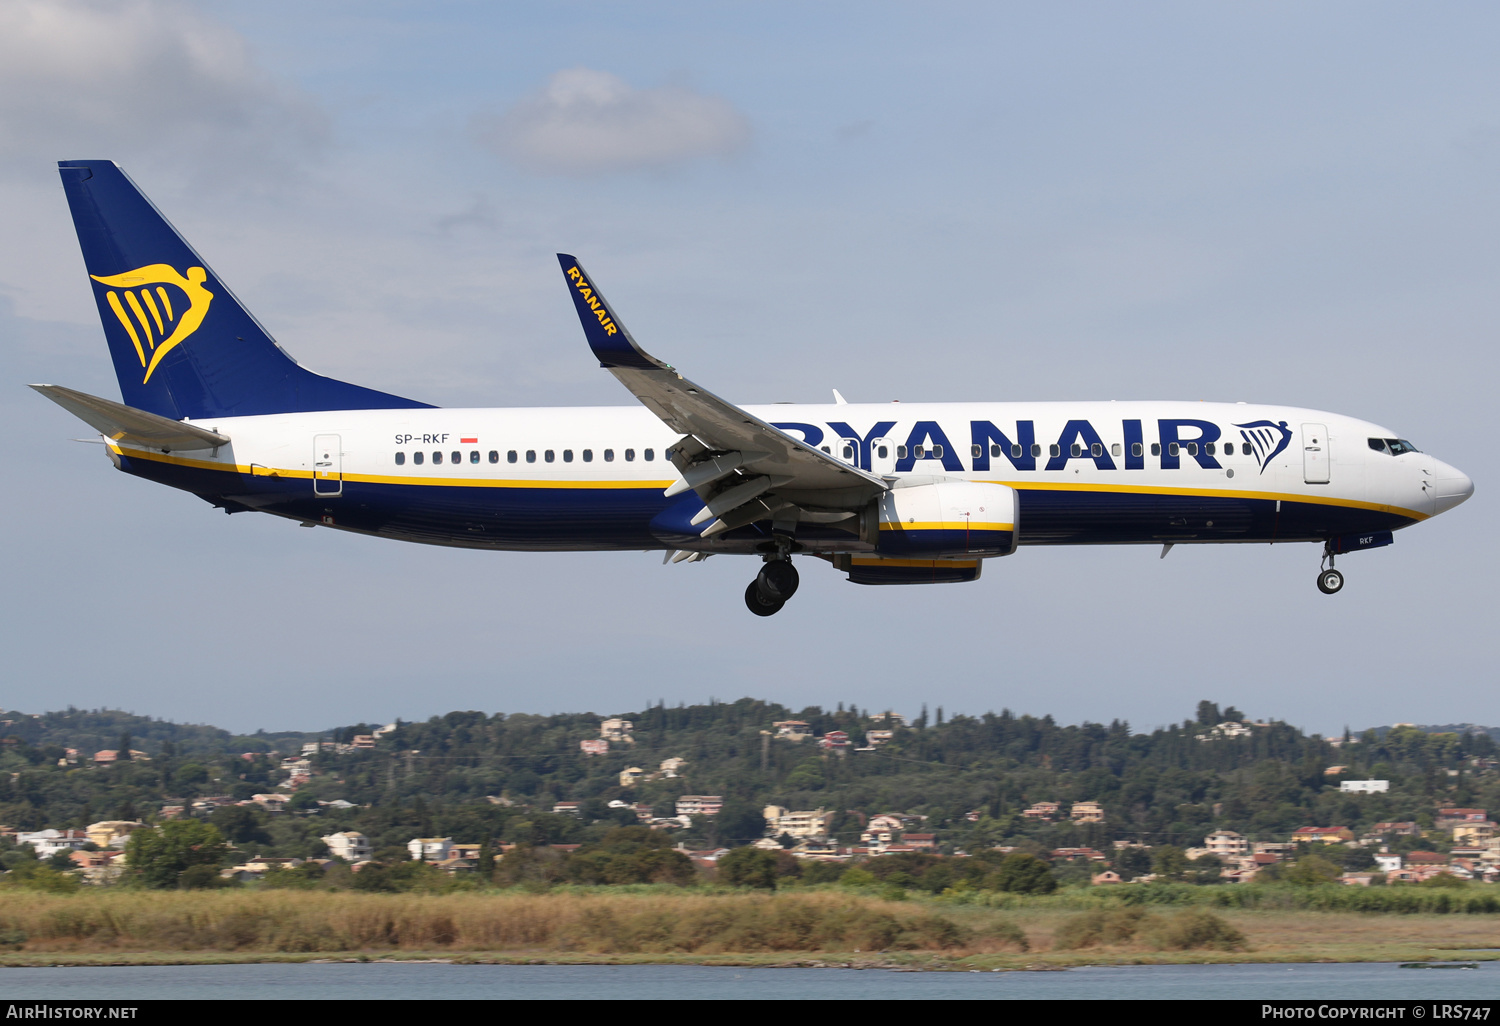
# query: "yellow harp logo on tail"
156,317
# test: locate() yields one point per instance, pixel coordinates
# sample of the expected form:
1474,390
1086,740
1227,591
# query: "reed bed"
1474,899
310,922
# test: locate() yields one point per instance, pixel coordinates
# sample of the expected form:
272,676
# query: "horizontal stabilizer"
127,424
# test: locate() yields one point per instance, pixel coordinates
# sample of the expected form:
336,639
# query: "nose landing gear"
776,582
1330,581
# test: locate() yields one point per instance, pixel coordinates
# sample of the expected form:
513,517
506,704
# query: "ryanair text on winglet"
587,292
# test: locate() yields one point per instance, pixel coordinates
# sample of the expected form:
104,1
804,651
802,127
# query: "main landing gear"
776,582
1330,581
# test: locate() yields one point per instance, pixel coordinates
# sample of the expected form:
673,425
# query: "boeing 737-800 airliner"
908,493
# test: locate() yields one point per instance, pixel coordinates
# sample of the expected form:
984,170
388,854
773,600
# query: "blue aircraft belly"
552,519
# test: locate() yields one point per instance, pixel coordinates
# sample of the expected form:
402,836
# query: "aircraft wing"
742,467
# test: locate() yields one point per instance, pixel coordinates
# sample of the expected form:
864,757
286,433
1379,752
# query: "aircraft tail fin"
182,344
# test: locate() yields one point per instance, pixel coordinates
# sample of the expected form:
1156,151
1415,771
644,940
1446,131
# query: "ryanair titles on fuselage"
1175,438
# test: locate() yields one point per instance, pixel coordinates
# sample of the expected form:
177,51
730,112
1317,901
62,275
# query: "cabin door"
882,457
328,466
1315,453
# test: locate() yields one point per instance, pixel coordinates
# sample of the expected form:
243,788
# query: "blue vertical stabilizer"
182,345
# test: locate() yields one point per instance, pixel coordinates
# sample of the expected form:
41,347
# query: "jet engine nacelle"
949,518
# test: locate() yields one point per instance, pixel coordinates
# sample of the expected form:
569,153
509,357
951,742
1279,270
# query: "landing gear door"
882,457
1315,453
328,465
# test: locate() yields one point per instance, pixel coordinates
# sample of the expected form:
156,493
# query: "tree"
1169,862
1310,870
1132,862
738,822
749,867
159,857
1025,874
240,824
1208,713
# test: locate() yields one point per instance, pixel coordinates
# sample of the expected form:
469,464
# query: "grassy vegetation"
592,921
819,926
1454,898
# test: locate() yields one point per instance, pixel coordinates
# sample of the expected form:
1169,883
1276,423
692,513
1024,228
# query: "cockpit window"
1400,445
1378,444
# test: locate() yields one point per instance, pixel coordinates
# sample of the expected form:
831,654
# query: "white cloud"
138,78
589,122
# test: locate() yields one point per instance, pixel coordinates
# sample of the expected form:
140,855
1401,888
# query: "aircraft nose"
1451,486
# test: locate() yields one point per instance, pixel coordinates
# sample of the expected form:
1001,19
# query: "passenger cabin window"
978,451
416,458
550,456
900,452
588,455
629,455
495,456
826,449
1135,449
1075,449
1173,449
937,452
918,452
1156,448
883,451
1036,449
1055,449
567,455
1114,450
649,455
474,456
609,455
456,457
530,455
1208,447
400,459
1192,448
994,450
1096,450
510,456
437,457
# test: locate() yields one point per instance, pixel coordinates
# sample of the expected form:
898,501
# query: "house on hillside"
47,843
699,805
1226,844
1322,835
430,849
616,729
350,845
809,824
1447,819
1086,812
1044,811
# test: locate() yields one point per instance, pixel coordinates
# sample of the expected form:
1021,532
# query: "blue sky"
1285,203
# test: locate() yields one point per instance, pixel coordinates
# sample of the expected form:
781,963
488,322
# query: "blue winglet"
609,340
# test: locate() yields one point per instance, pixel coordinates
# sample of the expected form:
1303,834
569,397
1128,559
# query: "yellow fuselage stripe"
948,525
1022,486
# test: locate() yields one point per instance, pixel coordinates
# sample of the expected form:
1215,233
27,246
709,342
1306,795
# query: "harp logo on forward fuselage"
158,307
